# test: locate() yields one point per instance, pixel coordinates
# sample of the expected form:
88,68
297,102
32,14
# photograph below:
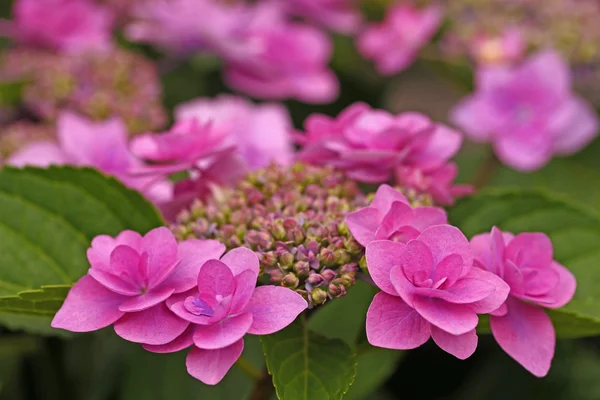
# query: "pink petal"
182,342
575,126
113,282
476,117
450,268
210,366
495,299
455,319
527,335
156,325
444,240
193,253
273,308
392,324
224,333
530,250
549,66
465,291
103,245
382,256
39,154
363,224
385,197
146,300
525,149
429,216
562,293
245,284
416,262
460,346
215,279
161,246
241,259
182,312
539,281
89,306
399,215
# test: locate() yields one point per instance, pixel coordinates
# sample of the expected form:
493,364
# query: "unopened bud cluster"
293,218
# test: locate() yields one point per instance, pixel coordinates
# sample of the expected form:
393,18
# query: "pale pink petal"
89,306
452,318
392,324
182,342
224,333
39,154
146,300
382,256
210,366
215,279
429,216
161,246
241,259
273,308
363,224
193,253
527,335
494,300
245,284
156,325
460,346
550,67
476,117
444,240
399,215
385,197
574,127
524,149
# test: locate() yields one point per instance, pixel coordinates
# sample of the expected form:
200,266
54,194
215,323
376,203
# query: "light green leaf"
344,318
308,366
48,218
575,234
375,366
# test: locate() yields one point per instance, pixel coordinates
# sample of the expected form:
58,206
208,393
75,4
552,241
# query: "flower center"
197,306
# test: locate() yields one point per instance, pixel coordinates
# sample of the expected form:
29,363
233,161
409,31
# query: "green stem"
486,171
253,373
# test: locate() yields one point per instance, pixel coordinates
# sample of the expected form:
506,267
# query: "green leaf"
575,234
375,366
48,218
308,366
164,377
344,318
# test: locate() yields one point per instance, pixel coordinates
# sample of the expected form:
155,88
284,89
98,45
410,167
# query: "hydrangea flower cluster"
374,145
170,296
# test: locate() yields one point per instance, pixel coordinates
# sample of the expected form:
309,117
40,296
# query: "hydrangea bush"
229,189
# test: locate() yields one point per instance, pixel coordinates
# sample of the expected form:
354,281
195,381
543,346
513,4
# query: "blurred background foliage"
102,367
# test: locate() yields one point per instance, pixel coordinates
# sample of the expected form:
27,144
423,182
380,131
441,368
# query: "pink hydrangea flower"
102,145
526,263
528,112
390,217
225,306
506,48
129,280
260,132
275,58
429,289
339,15
63,25
393,44
370,145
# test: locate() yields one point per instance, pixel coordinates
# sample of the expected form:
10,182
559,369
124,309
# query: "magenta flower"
102,145
275,58
429,289
525,262
260,132
529,112
339,15
390,217
63,25
393,44
130,278
224,307
370,145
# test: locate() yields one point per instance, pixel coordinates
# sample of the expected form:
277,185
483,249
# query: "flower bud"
341,257
276,275
328,274
268,259
290,280
286,259
278,231
336,291
301,268
315,279
318,296
327,257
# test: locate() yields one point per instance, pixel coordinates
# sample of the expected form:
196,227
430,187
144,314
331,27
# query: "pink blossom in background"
393,44
225,306
371,145
529,113
260,132
63,25
429,289
342,16
525,262
390,217
185,26
506,48
272,57
102,145
130,278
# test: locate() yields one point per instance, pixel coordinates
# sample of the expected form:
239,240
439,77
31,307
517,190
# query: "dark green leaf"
575,234
375,366
308,366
